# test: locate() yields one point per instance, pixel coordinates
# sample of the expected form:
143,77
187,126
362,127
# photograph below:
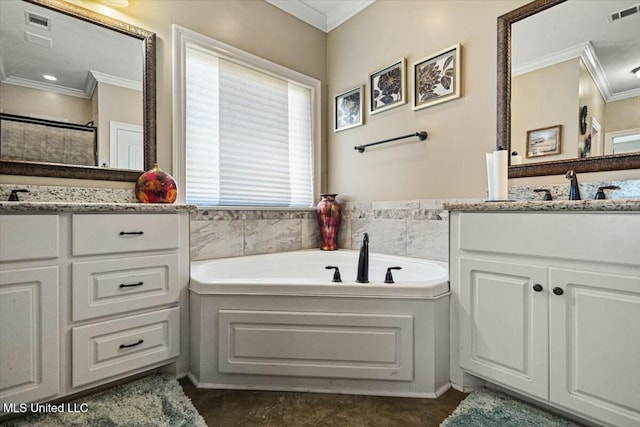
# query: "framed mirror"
78,93
566,74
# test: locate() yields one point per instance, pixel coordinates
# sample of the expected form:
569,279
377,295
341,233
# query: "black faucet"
600,193
13,197
363,261
574,188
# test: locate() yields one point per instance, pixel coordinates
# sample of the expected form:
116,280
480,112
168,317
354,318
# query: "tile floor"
228,408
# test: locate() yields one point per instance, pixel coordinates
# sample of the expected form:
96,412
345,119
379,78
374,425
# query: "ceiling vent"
39,21
39,40
616,16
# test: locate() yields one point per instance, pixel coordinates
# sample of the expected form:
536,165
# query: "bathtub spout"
363,261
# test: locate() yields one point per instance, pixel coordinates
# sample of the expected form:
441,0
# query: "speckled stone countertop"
554,205
18,207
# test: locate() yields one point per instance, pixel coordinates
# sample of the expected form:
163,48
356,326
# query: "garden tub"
278,322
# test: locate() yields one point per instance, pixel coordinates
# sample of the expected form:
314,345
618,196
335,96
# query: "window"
246,133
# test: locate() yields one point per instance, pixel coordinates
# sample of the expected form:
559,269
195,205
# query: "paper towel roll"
500,173
497,178
490,187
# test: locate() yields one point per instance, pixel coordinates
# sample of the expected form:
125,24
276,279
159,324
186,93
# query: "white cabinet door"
594,336
503,323
29,334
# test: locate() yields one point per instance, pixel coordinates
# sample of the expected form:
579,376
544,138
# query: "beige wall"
622,115
451,163
39,103
543,98
118,104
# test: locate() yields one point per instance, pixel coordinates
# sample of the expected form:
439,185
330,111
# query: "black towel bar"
421,136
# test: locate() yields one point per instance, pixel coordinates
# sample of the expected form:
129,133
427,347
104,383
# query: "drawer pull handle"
558,291
122,285
131,233
537,287
131,345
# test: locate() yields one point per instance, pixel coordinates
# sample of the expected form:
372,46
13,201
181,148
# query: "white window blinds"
248,135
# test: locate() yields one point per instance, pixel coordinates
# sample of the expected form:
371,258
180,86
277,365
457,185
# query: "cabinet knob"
558,291
537,287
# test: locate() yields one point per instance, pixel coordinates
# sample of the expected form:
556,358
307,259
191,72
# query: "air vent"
38,39
616,16
36,20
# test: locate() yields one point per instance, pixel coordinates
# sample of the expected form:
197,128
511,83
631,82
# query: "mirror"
98,119
539,42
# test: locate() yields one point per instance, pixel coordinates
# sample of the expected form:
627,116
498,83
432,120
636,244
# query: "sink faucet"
574,188
363,261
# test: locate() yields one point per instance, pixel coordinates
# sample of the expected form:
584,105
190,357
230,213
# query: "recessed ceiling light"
636,71
49,77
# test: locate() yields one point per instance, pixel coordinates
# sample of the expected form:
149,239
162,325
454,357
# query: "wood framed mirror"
95,54
538,9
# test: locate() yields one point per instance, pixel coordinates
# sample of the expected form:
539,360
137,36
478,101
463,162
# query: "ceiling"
322,14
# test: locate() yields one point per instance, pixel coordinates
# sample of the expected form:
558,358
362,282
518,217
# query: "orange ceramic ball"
156,186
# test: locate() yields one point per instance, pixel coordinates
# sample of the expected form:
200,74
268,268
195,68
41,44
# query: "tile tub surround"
222,233
414,228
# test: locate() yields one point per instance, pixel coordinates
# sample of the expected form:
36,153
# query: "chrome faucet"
574,188
363,261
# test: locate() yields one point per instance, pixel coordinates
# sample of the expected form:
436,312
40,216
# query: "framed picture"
348,107
387,87
544,142
436,79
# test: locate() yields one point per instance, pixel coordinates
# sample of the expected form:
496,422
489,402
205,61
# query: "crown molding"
95,77
345,11
586,52
31,84
339,14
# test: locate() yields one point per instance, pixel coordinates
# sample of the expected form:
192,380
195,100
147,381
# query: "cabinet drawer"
105,349
114,233
25,237
592,236
102,288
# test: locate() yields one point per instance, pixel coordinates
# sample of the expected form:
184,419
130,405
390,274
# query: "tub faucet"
574,188
363,261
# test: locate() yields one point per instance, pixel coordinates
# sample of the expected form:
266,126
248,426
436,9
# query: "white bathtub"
278,322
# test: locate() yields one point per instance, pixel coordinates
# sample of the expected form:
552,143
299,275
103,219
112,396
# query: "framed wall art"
436,78
348,109
544,141
387,87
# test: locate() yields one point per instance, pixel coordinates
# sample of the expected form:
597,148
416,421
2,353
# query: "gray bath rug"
153,401
488,408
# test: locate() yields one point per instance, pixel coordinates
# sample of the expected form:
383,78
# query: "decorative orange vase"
328,211
156,186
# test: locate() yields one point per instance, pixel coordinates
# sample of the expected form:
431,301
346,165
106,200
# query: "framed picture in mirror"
544,141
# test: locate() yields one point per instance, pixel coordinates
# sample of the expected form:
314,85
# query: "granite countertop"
554,205
17,207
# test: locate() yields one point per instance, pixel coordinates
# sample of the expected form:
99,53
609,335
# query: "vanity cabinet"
29,309
549,306
88,298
